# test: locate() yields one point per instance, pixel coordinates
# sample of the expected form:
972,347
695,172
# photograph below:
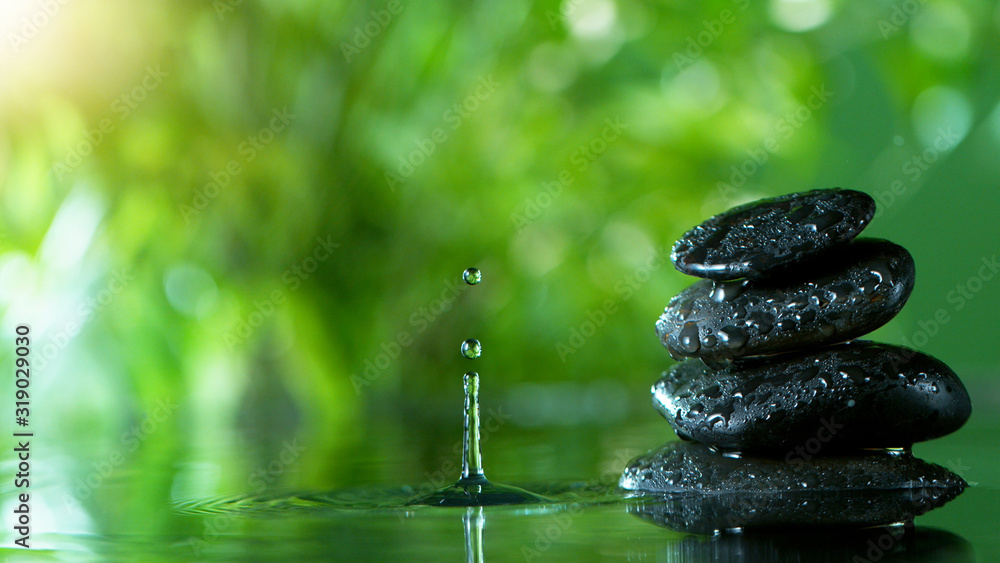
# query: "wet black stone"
847,293
799,405
752,239
693,468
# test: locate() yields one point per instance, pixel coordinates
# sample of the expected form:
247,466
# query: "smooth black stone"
690,467
848,293
854,395
752,239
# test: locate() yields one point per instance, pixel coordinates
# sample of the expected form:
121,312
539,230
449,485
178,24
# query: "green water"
587,519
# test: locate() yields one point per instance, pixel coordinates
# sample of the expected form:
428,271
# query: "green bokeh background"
209,288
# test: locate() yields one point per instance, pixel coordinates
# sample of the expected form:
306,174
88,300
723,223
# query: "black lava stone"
690,467
854,395
752,239
848,293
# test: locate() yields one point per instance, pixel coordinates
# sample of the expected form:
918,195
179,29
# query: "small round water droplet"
851,402
472,276
472,349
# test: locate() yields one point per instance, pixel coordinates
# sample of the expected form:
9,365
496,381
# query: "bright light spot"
941,31
627,243
589,19
552,67
694,88
190,290
17,276
537,250
72,230
800,15
941,117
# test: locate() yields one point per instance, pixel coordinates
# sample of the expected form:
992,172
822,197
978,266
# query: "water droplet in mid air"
472,276
473,488
472,349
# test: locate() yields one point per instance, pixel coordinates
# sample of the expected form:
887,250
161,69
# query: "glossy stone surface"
850,292
752,239
854,395
690,467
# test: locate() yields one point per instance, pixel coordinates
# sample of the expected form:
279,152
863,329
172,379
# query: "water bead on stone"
854,395
754,239
472,276
472,349
845,294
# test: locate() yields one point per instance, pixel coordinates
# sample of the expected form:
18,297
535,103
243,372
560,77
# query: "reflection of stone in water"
795,545
687,487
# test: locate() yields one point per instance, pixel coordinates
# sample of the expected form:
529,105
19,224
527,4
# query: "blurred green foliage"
288,192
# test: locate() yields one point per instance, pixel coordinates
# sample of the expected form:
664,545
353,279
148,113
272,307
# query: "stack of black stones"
786,419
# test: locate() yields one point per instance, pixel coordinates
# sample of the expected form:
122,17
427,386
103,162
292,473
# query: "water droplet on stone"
472,276
799,213
713,392
727,291
472,349
732,337
825,221
798,303
688,338
881,269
